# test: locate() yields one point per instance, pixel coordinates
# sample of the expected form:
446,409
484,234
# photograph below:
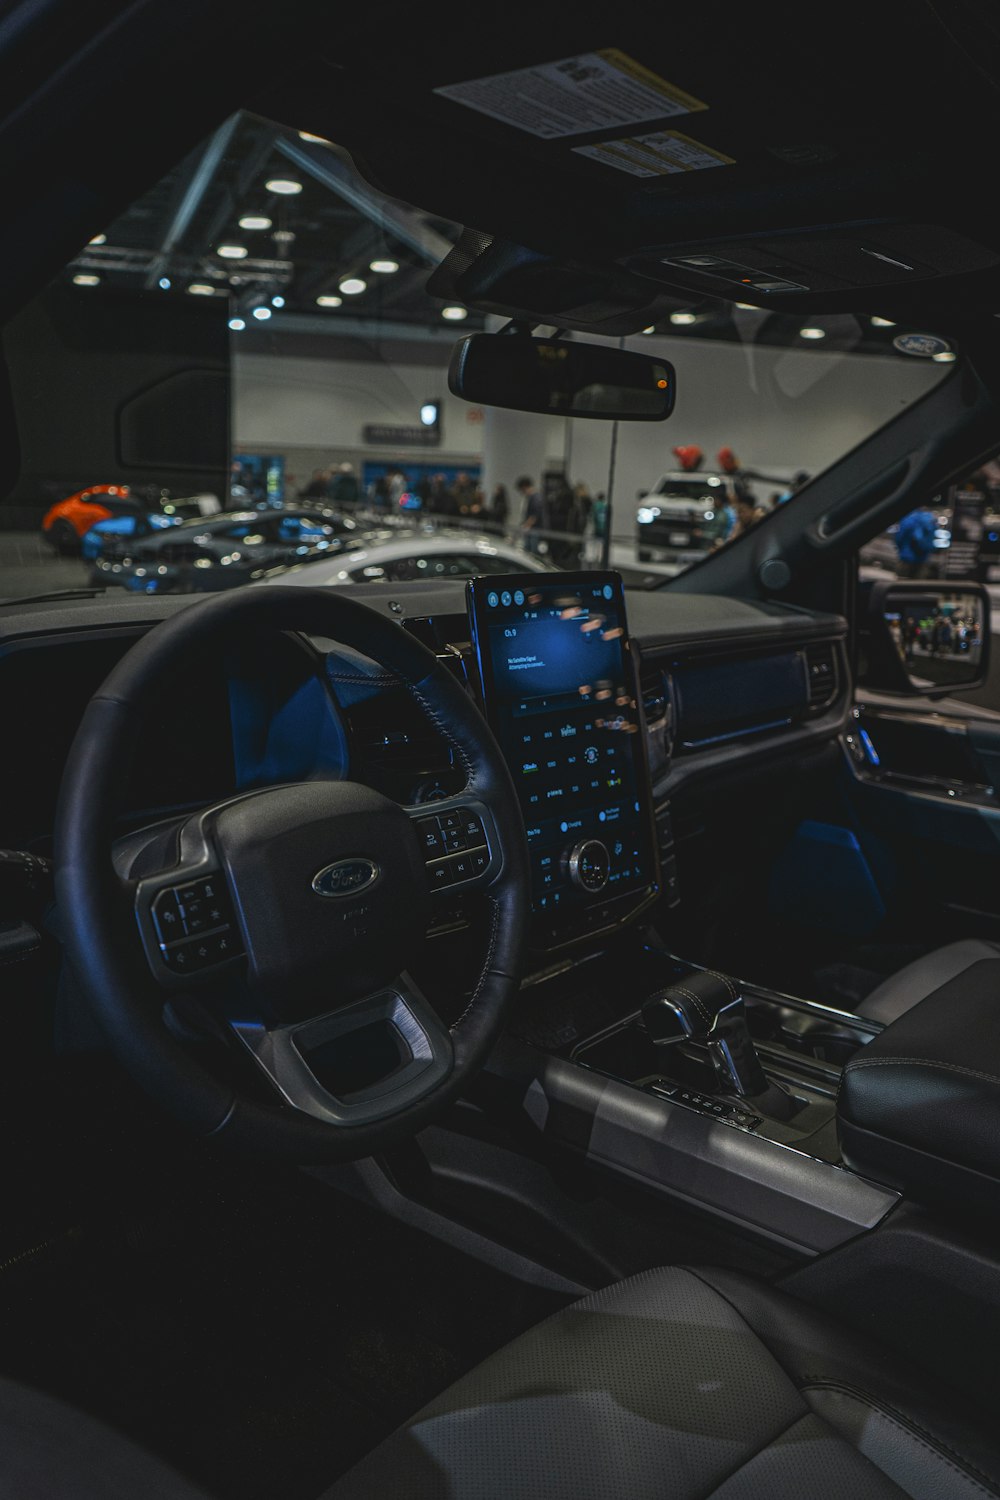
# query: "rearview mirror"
925,639
562,379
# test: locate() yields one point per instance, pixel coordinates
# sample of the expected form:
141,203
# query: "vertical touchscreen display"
559,696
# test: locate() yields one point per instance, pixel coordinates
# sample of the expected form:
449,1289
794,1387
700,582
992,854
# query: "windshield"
254,335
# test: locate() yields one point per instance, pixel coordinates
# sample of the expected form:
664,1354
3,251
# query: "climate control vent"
821,667
654,684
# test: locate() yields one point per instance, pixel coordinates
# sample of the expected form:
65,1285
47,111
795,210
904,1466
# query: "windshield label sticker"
925,345
596,91
656,155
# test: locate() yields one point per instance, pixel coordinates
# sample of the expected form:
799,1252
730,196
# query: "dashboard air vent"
821,665
654,686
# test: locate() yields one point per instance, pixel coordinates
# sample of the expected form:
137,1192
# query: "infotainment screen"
559,695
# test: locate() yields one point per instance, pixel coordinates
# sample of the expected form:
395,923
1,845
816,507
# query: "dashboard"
606,703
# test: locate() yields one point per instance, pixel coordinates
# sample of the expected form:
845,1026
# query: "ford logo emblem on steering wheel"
346,877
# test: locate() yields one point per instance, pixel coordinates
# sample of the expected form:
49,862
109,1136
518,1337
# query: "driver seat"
685,1385
674,1385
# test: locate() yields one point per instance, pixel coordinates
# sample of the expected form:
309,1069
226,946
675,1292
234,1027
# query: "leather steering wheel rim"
99,931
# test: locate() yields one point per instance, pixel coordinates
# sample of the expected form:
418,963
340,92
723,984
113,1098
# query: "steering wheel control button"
440,874
429,834
167,916
589,865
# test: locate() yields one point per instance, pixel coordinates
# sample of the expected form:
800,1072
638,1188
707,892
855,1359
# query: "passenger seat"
902,991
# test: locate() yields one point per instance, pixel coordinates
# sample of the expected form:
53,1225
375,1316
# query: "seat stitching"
923,1435
920,1062
486,966
366,677
970,1469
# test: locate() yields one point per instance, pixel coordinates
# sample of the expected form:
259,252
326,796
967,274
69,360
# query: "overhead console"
559,693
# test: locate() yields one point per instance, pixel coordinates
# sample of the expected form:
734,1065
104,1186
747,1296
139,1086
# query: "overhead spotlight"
454,314
263,313
83,278
201,289
165,283
321,140
232,252
283,236
98,239
384,267
329,300
650,329
812,333
285,187
883,323
747,307
351,286
237,324
278,301
255,221
430,413
946,357
682,317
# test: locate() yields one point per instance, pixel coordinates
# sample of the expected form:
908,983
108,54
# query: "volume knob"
589,864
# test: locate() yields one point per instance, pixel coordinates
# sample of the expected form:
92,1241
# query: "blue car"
139,523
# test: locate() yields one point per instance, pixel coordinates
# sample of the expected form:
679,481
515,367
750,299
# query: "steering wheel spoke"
357,1065
460,845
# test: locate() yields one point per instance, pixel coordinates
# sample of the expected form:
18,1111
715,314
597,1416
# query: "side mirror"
562,378
924,639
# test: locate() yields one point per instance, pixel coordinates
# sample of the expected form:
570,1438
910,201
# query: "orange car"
67,521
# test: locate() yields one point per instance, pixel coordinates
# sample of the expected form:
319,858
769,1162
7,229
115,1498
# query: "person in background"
915,542
798,481
316,489
748,512
500,506
344,488
535,518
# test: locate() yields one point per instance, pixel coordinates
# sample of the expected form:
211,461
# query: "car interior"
516,1032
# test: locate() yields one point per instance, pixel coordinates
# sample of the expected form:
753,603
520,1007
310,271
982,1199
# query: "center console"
700,1086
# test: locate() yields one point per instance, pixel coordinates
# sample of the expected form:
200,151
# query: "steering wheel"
301,903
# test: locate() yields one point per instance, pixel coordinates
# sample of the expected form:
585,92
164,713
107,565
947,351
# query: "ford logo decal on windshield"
346,877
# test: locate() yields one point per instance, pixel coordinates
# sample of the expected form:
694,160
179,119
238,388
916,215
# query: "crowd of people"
556,519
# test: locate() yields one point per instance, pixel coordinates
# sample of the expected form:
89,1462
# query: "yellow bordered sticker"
658,154
574,96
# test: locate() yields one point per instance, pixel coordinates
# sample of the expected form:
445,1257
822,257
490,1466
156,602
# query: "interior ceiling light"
329,300
201,289
812,333
255,221
98,239
263,313
384,267
286,187
454,314
237,324
232,252
83,278
883,323
946,357
351,286
320,140
683,317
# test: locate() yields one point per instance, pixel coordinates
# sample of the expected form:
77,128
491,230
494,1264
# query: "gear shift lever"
708,1008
